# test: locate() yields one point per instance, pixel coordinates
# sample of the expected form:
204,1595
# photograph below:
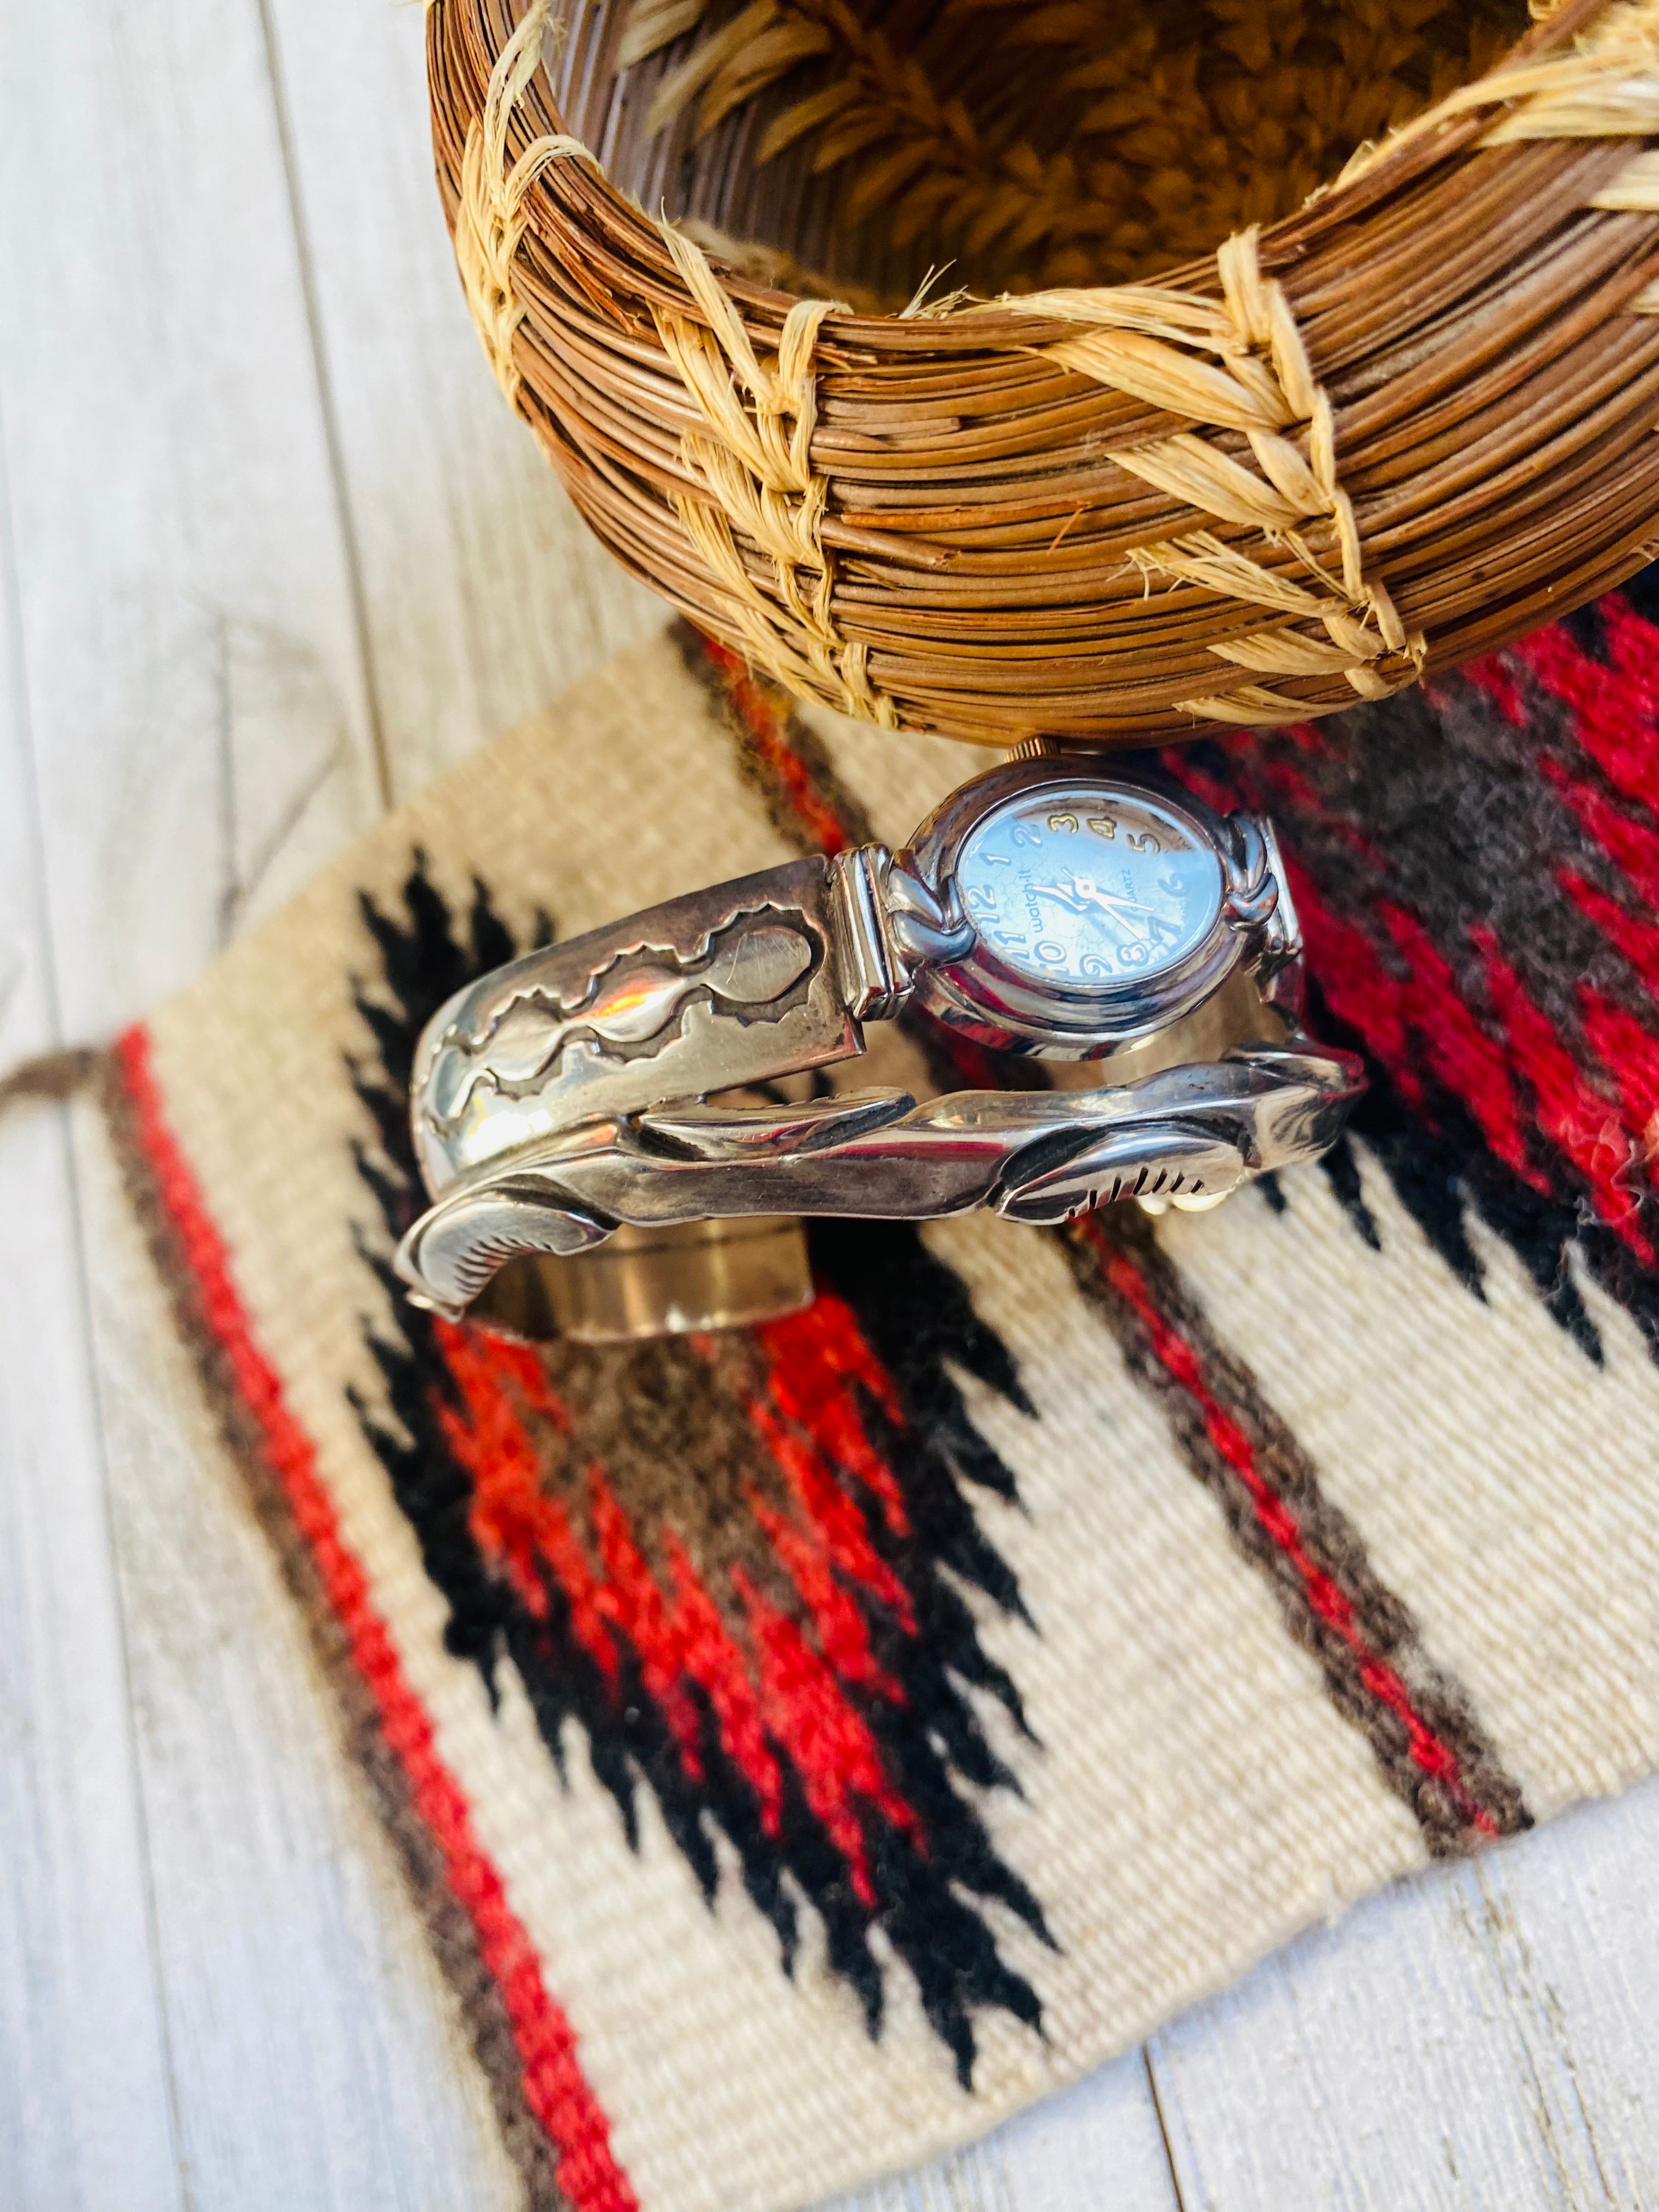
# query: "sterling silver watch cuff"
1141,943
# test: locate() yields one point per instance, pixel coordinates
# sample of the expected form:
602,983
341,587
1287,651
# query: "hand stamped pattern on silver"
1044,909
724,988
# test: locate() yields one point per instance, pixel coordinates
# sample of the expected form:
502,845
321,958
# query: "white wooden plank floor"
271,553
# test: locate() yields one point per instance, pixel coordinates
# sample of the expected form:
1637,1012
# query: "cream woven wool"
1265,1556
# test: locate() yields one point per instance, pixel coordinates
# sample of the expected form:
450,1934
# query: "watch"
1069,917
1141,945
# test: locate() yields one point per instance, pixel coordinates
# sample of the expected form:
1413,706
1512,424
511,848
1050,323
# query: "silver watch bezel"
981,993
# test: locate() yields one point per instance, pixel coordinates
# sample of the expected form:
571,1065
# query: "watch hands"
1085,893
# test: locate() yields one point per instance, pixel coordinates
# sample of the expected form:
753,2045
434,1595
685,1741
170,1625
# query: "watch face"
1089,891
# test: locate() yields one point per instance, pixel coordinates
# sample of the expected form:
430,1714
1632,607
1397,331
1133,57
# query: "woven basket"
1103,369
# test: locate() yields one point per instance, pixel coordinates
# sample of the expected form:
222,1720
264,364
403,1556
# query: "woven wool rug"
808,1745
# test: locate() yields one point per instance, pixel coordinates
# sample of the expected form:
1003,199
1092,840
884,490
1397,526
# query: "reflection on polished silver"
1045,909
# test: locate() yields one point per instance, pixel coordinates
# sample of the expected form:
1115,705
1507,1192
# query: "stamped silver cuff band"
1118,928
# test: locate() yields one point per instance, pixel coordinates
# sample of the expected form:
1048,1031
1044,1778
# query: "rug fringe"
52,1076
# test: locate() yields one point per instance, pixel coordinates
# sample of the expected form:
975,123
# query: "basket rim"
685,400
1442,133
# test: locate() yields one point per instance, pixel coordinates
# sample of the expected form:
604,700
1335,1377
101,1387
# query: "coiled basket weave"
1106,370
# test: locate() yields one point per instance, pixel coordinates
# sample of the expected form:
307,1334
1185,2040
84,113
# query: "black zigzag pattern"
927,1873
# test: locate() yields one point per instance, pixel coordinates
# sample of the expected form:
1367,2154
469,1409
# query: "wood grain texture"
85,2108
1097,2147
1485,2037
484,594
294,553
201,731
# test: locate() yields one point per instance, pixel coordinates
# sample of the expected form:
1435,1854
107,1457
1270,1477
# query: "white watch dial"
1100,890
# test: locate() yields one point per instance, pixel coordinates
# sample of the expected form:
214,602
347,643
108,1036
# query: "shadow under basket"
1106,370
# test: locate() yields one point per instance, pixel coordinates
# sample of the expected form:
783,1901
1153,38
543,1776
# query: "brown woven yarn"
1000,368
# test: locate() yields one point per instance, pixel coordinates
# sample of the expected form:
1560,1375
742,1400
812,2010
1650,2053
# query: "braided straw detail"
1203,472
1147,342
752,466
1606,88
491,218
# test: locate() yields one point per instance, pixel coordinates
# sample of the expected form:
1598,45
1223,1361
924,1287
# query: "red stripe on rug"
818,1361
1613,703
831,1746
1424,1012
555,2089
1630,1052
1571,1113
837,1524
840,1627
791,1690
714,1661
769,731
631,1599
1325,1596
1635,935
1630,843
1495,680
516,1526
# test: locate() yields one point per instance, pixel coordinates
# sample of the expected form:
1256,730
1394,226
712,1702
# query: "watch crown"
1042,747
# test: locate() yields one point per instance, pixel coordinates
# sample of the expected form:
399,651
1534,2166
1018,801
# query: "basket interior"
859,145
